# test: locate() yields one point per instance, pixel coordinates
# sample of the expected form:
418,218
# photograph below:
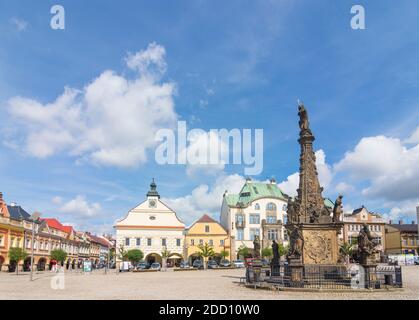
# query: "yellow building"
206,230
11,230
402,239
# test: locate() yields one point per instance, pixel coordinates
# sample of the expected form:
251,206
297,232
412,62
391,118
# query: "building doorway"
152,258
41,264
27,264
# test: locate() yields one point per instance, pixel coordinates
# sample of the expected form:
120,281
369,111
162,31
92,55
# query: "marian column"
312,226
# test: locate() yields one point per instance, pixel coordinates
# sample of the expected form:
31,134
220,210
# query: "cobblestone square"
187,285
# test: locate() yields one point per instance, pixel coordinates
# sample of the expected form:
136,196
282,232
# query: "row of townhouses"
18,229
259,209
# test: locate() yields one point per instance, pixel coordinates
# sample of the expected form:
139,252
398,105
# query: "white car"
238,264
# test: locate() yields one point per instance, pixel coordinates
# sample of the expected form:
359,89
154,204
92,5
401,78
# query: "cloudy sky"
80,107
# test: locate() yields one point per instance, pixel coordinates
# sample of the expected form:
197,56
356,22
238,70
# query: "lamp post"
34,217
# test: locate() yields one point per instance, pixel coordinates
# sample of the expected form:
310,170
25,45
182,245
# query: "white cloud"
202,145
390,169
205,199
112,121
414,138
148,60
57,200
19,23
80,208
290,185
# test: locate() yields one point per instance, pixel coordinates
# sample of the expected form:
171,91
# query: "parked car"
225,263
416,260
155,266
238,263
212,264
198,264
184,265
265,263
142,266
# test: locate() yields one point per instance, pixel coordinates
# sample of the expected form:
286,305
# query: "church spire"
153,190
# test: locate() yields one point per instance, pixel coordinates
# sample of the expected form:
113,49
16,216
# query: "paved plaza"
186,285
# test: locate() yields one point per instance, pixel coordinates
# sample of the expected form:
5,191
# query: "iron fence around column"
332,277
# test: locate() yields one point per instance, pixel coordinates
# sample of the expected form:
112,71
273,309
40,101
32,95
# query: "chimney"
390,222
272,180
400,221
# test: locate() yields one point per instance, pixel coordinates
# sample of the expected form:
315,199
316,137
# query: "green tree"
282,250
164,255
59,255
16,255
206,251
267,252
346,250
134,256
224,254
122,253
243,251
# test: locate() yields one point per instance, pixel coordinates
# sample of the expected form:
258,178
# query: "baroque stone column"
312,228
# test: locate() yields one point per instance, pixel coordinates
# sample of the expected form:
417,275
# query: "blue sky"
228,64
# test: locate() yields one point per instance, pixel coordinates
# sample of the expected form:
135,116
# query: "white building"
153,228
259,209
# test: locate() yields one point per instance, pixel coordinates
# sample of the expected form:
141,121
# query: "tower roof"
153,190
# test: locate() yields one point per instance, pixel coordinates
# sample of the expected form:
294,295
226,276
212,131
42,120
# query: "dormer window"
257,206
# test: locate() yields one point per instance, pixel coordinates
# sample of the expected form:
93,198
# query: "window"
207,229
149,242
254,232
254,218
163,242
127,241
221,242
201,241
192,242
272,234
270,219
284,207
240,234
257,206
211,242
271,207
178,242
1,240
138,241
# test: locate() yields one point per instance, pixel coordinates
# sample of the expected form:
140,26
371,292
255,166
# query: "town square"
236,151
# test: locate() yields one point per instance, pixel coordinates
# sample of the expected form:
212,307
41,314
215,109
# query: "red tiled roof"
206,218
54,223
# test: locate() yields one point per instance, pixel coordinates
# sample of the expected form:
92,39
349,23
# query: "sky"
81,107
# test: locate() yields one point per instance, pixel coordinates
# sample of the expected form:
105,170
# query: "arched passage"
174,260
153,257
27,264
41,264
193,257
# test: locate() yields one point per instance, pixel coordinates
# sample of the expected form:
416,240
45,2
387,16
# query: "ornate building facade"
353,223
206,230
258,210
151,227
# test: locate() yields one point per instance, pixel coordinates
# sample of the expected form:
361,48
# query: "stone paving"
186,285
